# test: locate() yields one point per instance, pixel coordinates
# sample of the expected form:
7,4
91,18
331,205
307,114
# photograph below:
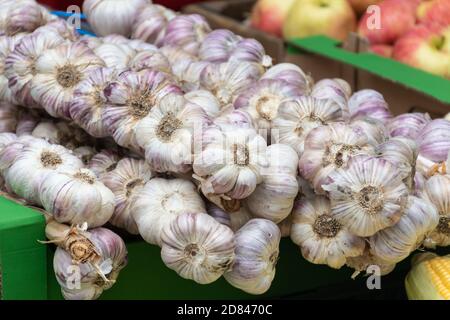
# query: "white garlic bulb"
150,59
25,17
328,148
322,239
231,162
115,55
297,117
168,132
230,213
159,202
230,118
103,162
197,247
48,131
187,73
62,28
273,199
369,103
374,129
112,16
124,181
206,100
395,243
367,260
291,74
76,197
367,197
256,256
337,90
10,152
408,125
8,117
175,54
7,45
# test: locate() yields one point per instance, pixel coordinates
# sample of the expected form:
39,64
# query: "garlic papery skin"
112,16
20,65
291,74
62,28
26,123
437,191
363,262
206,100
7,45
168,133
234,218
187,73
230,118
48,131
256,256
366,196
175,54
321,238
434,140
96,274
337,90
159,202
262,100
129,176
328,148
115,55
273,199
130,99
75,197
150,24
197,247
374,129
103,162
395,243
150,59
25,17
89,102
8,117
297,117
33,163
408,125
230,163
369,103
187,32
58,72
85,154
227,80
11,151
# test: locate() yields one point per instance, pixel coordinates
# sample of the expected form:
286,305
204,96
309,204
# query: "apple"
396,18
434,11
269,15
384,50
360,6
333,18
425,47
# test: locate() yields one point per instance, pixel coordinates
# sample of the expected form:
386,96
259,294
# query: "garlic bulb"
20,65
297,117
337,90
257,250
230,118
206,100
175,54
130,99
262,100
434,140
7,45
322,239
11,151
159,202
366,260
369,103
395,243
230,163
88,104
91,42
106,256
150,24
227,80
374,129
167,133
233,217
291,74
150,59
103,162
124,181
197,247
8,117
33,163
6,138
58,72
75,197
328,148
437,190
85,154
408,125
273,199
62,28
48,131
187,73
366,196
25,17
187,32
115,55
112,16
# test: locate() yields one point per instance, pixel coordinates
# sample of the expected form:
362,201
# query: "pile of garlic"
191,139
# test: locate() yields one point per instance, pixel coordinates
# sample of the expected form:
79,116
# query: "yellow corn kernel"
439,269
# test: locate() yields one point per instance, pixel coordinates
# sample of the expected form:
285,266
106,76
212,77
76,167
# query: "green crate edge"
427,83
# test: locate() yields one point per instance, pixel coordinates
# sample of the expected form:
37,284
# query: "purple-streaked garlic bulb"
112,16
230,118
369,103
129,176
187,32
408,125
175,54
130,99
206,100
10,152
291,74
103,162
24,17
297,117
233,216
367,196
374,129
62,28
115,55
150,59
58,72
150,24
90,41
187,73
321,238
419,184
89,102
7,45
9,114
262,100
337,90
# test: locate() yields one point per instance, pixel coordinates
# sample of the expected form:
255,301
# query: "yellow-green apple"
434,11
384,50
360,6
333,18
395,18
269,15
426,47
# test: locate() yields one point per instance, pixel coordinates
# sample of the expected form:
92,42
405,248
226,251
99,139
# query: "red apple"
382,50
360,6
426,47
269,15
434,11
396,18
